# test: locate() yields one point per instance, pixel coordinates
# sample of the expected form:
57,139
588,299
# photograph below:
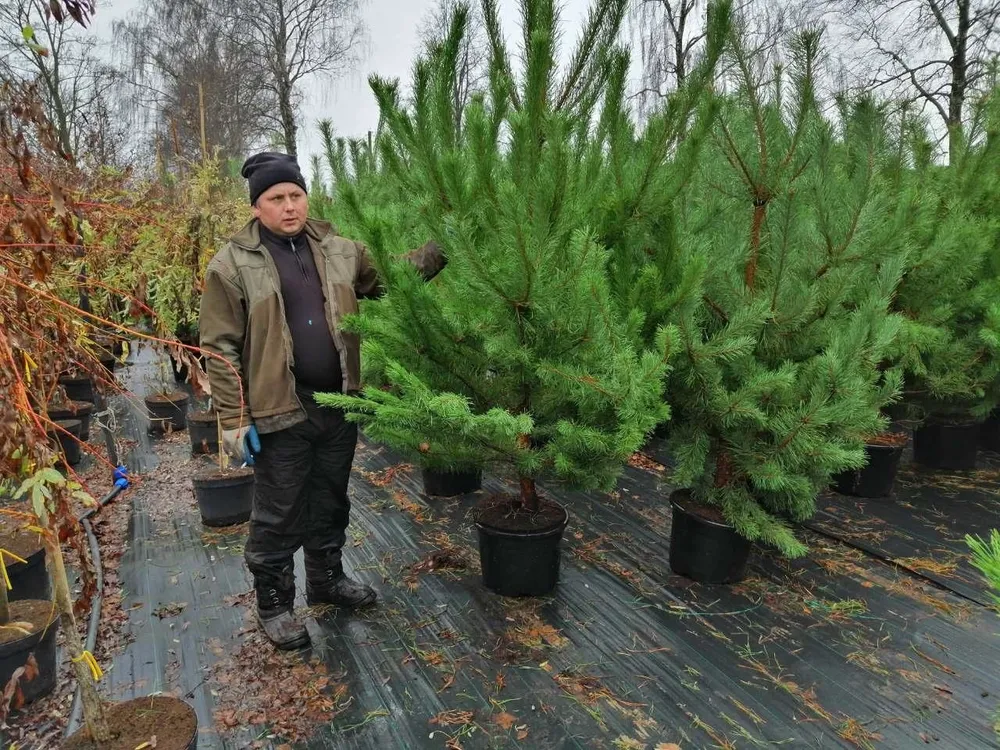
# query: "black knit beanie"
267,169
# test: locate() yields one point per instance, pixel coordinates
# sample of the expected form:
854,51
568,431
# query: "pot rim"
707,521
528,534
51,628
164,398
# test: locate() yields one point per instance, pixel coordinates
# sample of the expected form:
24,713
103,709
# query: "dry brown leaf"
505,720
668,746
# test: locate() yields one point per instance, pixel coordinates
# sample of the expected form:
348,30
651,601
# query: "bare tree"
670,36
294,40
191,80
669,32
935,52
37,46
473,56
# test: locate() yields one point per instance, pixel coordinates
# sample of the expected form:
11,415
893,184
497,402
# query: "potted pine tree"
362,180
547,381
949,346
777,380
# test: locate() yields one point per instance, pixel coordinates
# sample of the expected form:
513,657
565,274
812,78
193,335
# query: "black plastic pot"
41,643
81,410
78,388
204,432
29,580
224,500
520,563
703,550
69,445
451,483
141,714
876,478
989,433
169,409
943,445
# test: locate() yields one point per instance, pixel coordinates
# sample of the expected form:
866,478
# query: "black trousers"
300,497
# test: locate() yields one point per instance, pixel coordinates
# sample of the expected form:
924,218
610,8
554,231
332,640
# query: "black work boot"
274,612
330,585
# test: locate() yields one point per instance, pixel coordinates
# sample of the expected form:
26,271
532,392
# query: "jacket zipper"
298,259
276,279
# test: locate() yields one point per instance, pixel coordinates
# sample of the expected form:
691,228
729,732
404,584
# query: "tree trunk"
93,709
959,82
529,495
288,127
759,213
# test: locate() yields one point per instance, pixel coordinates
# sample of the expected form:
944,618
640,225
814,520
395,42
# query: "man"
271,307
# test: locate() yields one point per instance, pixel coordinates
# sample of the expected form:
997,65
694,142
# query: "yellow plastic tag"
95,669
3,567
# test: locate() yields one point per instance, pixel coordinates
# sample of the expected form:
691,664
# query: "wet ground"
881,638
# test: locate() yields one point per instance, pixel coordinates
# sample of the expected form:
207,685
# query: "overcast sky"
392,45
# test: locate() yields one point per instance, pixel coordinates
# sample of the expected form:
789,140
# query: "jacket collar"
248,238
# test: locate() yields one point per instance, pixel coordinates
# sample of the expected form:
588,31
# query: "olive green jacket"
243,329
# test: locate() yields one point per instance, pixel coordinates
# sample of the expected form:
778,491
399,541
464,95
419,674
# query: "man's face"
283,208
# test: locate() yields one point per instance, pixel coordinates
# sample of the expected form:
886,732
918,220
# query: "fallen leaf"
505,720
668,746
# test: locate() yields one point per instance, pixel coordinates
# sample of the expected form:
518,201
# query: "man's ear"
256,209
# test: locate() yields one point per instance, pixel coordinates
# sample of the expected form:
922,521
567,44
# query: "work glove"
242,443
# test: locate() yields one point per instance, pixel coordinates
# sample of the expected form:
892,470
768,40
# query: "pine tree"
516,354
949,297
783,241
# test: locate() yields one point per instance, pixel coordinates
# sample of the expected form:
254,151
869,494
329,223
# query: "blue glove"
251,445
120,477
241,443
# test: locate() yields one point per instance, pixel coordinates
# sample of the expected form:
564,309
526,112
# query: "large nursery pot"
204,432
167,410
703,546
443,483
133,724
989,433
942,444
224,498
15,647
518,550
82,410
69,444
29,579
78,387
877,476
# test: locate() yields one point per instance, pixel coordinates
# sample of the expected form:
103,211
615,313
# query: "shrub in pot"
27,614
783,328
128,724
548,383
26,567
81,410
203,432
167,406
224,492
66,434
